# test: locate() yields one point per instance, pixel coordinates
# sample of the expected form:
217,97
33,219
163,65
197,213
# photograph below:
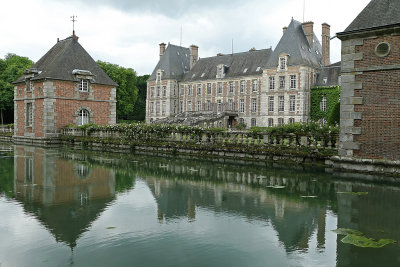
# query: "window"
199,89
281,103
293,82
241,105
254,105
152,107
323,103
230,105
158,76
220,71
241,120
175,107
29,86
208,88
158,108
158,90
219,106
29,170
282,64
270,122
182,90
174,90
253,122
292,103
29,114
254,86
219,88
198,105
271,83
164,107
164,91
189,106
280,121
242,86
231,87
190,90
281,82
152,91
208,105
84,85
271,104
291,120
83,117
181,106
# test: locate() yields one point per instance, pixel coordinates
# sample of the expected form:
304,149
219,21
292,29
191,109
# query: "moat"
73,208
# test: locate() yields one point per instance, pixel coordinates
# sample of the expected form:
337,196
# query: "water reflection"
68,192
63,191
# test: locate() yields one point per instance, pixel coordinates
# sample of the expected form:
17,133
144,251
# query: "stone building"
370,97
66,86
259,87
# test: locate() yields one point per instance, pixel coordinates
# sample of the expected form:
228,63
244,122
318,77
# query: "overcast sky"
127,32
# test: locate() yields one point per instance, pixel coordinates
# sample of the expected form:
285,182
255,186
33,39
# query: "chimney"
308,28
162,49
284,29
194,55
326,39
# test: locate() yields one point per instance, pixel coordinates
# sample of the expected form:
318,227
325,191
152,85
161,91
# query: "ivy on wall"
332,94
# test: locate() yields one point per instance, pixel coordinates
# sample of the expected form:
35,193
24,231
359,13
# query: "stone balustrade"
238,138
6,129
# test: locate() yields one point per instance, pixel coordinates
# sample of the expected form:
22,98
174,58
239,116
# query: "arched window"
83,117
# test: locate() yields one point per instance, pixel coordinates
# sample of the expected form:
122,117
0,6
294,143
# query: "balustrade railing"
244,138
6,129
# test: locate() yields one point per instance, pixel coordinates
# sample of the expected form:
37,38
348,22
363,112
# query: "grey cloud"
171,8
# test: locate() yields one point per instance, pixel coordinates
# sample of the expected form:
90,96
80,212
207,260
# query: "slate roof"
331,73
175,63
64,57
377,13
206,68
295,43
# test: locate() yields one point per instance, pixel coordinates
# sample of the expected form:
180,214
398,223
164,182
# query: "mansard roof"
63,58
235,65
295,43
329,75
378,13
174,63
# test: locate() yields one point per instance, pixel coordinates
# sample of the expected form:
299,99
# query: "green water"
65,208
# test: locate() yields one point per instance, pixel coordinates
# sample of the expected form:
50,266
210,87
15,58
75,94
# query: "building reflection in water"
63,191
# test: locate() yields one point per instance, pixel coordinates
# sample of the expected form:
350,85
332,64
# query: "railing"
239,138
6,129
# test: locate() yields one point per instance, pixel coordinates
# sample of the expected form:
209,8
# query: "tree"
127,90
140,105
11,68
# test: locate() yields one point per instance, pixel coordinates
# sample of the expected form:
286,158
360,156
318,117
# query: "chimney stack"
326,40
194,55
308,28
284,29
162,49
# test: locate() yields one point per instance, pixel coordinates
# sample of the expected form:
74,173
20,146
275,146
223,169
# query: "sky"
127,32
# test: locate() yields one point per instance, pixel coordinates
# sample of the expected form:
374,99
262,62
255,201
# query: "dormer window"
159,76
29,86
282,63
84,85
221,71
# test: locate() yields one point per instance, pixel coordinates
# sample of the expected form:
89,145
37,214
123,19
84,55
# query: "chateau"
258,88
66,86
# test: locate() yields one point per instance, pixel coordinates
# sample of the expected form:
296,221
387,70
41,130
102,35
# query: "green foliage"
139,110
311,128
358,239
332,98
11,68
241,126
334,117
127,90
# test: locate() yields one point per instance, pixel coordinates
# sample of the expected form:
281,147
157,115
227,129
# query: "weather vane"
73,19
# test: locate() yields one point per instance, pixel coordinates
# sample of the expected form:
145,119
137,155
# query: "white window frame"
271,104
219,106
241,106
270,122
254,86
199,89
281,103
83,117
282,63
209,88
272,83
158,91
189,106
242,87
152,91
293,81
323,103
84,85
231,87
292,103
198,105
29,114
164,91
219,88
230,105
163,108
253,122
282,82
254,105
281,121
158,108
152,107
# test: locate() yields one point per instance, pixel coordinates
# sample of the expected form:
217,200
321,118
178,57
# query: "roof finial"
73,19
